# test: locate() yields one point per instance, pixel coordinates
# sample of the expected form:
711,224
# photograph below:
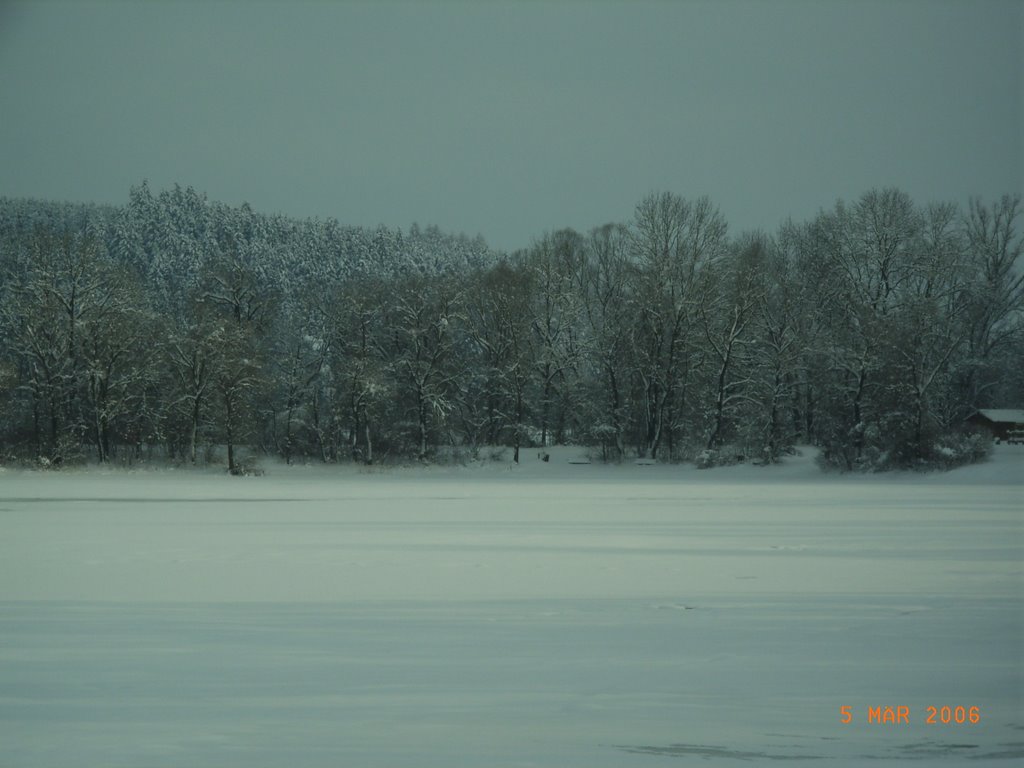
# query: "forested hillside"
173,324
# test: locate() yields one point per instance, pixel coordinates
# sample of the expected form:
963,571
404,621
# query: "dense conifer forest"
177,328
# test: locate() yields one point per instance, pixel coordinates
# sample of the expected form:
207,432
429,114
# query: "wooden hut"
1004,423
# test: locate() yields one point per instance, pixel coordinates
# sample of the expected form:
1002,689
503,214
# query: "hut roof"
1003,415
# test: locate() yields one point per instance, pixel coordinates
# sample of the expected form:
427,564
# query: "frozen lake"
548,615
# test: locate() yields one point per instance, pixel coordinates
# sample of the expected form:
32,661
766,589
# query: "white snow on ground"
551,614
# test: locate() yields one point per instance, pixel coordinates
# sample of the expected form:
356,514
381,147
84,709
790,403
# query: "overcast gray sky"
509,119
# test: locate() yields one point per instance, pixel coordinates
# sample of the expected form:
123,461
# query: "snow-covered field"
552,614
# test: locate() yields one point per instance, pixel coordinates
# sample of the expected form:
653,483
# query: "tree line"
191,330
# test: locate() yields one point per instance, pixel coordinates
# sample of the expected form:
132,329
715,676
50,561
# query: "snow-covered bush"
960,448
725,456
497,453
934,452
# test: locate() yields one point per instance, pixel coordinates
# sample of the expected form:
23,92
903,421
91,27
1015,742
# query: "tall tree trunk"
653,436
193,436
719,404
37,436
616,404
544,406
353,434
288,433
809,414
919,409
858,440
517,438
55,428
230,433
421,408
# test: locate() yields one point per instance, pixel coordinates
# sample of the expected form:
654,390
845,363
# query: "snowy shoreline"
567,466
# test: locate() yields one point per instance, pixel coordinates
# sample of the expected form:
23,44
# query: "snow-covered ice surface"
550,615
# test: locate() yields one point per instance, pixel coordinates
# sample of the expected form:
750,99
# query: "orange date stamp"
945,715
